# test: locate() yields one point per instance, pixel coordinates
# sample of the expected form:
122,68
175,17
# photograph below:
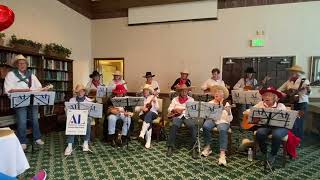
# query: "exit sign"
257,42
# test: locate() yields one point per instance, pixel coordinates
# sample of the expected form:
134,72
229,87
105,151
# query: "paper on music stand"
253,97
94,109
44,98
273,117
76,123
238,97
207,110
19,99
40,98
127,101
101,91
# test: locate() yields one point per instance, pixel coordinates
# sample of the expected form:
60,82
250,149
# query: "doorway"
107,66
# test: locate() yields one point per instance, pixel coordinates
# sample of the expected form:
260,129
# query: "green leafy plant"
2,35
57,49
25,42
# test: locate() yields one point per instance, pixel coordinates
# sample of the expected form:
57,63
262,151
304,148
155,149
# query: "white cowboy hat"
215,88
79,87
185,71
148,87
17,58
296,68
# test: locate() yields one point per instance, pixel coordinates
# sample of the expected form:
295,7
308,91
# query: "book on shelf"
56,75
55,65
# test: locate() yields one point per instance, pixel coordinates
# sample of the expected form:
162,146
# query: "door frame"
95,60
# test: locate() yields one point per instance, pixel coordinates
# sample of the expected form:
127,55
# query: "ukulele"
292,95
175,113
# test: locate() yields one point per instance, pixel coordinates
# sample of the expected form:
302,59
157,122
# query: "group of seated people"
118,121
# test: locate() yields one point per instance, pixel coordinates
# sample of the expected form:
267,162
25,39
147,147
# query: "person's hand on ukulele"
145,109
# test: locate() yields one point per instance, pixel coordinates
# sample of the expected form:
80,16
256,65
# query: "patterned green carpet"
138,163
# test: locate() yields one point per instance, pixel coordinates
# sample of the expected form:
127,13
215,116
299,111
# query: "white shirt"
210,82
90,86
155,105
154,85
303,96
225,116
113,84
12,82
175,104
279,106
245,82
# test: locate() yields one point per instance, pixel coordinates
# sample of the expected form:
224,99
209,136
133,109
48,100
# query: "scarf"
80,99
182,100
182,81
96,83
26,79
293,79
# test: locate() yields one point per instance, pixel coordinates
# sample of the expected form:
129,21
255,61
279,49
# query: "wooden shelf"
57,70
53,80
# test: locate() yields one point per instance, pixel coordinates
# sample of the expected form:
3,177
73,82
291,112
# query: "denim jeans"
70,138
298,124
223,133
112,121
176,124
149,116
22,115
277,135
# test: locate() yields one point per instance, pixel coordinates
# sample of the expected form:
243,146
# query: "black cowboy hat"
149,74
249,70
94,73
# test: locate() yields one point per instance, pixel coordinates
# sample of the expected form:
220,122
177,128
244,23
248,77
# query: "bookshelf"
48,69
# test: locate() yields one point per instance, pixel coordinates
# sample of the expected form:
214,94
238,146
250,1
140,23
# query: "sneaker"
68,151
222,160
24,146
148,145
39,142
41,175
206,151
85,147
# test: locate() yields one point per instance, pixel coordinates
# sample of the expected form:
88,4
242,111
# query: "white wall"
49,21
165,49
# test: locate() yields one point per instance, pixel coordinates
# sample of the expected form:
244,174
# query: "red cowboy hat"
120,89
271,90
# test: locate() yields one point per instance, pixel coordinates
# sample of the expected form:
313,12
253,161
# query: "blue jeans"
112,121
277,135
149,116
176,124
22,115
223,133
70,138
298,124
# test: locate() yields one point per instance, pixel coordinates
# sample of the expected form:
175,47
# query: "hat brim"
184,88
149,76
277,93
295,70
215,88
78,90
184,73
14,63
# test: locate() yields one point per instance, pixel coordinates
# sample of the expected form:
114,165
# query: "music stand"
94,111
32,98
202,97
202,110
246,97
271,117
126,102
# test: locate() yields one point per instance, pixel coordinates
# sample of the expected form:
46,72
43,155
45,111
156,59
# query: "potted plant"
25,44
2,35
58,50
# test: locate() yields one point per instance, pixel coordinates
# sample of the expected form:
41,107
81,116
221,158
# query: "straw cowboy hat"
215,88
185,71
183,87
117,73
79,87
17,58
296,68
120,89
148,87
94,73
271,90
148,74
250,70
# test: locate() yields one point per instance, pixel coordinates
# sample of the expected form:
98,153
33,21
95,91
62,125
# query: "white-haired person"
117,79
80,96
20,79
220,93
148,112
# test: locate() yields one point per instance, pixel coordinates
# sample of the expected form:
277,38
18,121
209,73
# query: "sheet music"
94,109
246,97
273,117
101,91
22,99
76,123
127,101
206,110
